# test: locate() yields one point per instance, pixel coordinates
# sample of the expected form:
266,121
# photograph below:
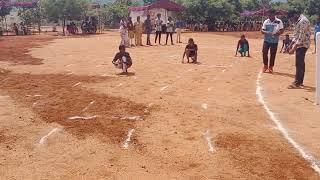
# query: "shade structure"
25,4
160,4
263,12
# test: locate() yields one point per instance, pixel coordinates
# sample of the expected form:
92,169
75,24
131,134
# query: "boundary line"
314,163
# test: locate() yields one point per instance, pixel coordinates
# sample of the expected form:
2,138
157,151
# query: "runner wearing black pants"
272,28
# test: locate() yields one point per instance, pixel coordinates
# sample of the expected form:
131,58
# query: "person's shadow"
126,74
307,88
284,74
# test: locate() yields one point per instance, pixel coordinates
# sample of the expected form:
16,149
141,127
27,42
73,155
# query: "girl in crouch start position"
191,51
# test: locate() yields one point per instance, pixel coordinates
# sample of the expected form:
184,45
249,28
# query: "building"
166,8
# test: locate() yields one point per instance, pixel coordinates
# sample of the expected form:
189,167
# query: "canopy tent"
25,4
263,12
160,4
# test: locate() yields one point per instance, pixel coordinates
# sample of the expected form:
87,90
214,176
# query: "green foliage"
113,12
314,7
65,9
4,10
207,10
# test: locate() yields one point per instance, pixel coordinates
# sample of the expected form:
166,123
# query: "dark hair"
122,47
190,40
243,36
293,12
272,12
287,35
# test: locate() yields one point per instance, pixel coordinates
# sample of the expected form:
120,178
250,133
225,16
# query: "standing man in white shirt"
272,29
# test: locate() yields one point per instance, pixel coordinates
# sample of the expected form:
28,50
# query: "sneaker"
294,86
271,69
265,69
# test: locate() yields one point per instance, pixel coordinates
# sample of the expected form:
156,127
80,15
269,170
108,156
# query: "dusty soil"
183,107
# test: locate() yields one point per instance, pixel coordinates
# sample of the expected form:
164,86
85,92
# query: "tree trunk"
5,21
63,26
39,26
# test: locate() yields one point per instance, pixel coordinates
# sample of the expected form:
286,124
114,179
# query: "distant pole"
318,69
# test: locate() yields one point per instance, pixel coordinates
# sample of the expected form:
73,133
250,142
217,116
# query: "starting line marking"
90,104
44,138
312,160
208,138
204,106
128,140
77,84
83,118
164,88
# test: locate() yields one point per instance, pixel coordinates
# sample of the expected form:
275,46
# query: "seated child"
243,47
286,44
191,51
122,59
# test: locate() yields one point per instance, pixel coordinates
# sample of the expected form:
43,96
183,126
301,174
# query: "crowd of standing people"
131,33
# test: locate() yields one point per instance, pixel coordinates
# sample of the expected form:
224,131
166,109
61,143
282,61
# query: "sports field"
66,113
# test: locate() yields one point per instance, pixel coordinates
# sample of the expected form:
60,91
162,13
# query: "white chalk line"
4,97
128,140
312,160
208,138
87,107
204,106
82,117
44,138
164,88
119,85
77,84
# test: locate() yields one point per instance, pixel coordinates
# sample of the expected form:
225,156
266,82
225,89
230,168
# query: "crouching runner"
122,60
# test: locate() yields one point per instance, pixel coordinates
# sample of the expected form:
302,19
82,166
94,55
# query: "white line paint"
133,118
34,104
208,138
4,96
5,79
204,106
77,84
44,138
119,85
37,95
312,160
69,65
128,140
70,73
82,117
210,89
164,88
87,107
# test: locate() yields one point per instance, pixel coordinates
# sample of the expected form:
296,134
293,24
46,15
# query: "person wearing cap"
272,29
300,44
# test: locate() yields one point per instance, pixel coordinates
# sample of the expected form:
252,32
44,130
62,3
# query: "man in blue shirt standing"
272,29
316,30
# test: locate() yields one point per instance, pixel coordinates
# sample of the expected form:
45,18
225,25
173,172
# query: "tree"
65,10
314,7
31,15
4,11
148,1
